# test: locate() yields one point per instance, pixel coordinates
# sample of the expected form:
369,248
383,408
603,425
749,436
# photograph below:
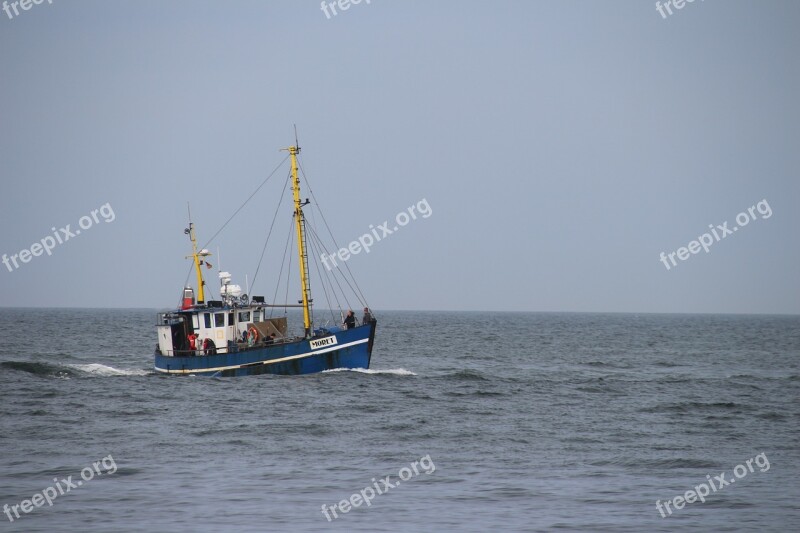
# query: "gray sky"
561,145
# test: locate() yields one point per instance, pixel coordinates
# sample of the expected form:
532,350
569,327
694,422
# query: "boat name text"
321,343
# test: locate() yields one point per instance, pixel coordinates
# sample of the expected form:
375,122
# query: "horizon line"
157,309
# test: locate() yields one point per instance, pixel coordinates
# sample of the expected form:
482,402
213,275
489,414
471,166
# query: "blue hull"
349,349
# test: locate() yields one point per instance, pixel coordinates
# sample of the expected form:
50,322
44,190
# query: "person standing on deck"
350,320
192,342
367,316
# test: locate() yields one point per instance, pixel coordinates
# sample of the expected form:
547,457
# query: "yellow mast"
301,241
201,297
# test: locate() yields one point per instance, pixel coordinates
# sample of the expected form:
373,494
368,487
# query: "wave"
698,407
659,464
391,371
468,375
67,371
103,370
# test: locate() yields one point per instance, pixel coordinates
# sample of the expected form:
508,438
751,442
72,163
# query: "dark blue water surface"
525,422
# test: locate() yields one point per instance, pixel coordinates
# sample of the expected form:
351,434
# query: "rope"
363,299
274,218
322,281
280,273
245,202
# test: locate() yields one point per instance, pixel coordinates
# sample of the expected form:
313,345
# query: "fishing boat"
236,335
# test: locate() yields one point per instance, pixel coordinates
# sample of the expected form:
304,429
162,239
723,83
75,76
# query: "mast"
201,297
301,240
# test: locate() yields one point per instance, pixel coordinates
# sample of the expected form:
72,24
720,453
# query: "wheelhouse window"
207,319
219,320
256,316
244,316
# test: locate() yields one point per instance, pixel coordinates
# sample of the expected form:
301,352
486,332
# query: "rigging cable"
344,295
363,298
246,201
189,273
288,272
274,218
280,273
322,281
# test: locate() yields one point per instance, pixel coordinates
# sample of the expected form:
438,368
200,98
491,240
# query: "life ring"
252,336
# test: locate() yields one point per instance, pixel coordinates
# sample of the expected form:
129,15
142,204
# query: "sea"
464,422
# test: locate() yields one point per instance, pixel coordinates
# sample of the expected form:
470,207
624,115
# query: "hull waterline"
344,349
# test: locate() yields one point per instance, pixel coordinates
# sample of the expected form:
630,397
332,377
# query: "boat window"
219,320
244,317
256,316
207,318
230,319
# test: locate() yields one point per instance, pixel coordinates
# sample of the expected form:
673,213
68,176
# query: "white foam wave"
390,371
102,370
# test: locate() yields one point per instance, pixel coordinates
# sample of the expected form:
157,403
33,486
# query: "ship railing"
239,347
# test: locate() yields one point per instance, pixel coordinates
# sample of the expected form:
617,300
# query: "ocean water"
505,422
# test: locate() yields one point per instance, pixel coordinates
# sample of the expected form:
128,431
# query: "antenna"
296,144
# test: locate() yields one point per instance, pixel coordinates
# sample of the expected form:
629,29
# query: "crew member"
350,320
192,341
